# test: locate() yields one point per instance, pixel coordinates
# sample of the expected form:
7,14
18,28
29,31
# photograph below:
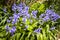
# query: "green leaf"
32,38
27,38
3,21
17,36
27,22
44,35
39,36
34,6
22,37
3,33
41,8
2,38
47,27
20,19
30,28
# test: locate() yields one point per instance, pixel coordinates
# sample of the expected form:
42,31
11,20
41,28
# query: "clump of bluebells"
20,11
49,15
29,21
11,30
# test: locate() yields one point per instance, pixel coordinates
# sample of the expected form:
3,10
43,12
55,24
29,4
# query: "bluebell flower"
19,14
8,21
42,16
14,21
11,18
25,12
46,18
12,31
34,13
38,30
26,8
4,9
22,11
48,11
54,17
14,7
52,28
19,9
7,28
16,16
24,19
28,15
21,4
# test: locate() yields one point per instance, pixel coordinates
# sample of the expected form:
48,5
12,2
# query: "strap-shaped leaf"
22,37
3,21
28,36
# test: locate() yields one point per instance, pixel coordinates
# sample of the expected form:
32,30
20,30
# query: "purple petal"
13,30
38,30
52,28
8,21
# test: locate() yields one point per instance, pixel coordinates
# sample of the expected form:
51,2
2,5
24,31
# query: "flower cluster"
22,11
19,10
15,18
12,30
49,15
34,13
38,30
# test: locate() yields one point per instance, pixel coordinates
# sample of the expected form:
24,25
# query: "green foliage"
41,8
34,6
37,6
